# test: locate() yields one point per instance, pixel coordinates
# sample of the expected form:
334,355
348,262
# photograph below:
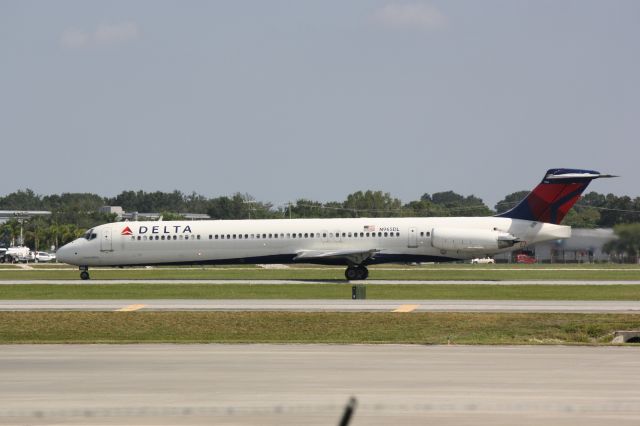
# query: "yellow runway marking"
406,308
130,308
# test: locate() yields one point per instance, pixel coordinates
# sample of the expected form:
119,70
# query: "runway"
320,282
310,384
325,305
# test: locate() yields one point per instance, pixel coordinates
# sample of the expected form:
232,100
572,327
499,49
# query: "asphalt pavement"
310,384
325,305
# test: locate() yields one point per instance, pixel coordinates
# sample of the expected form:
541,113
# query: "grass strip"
296,327
332,274
318,291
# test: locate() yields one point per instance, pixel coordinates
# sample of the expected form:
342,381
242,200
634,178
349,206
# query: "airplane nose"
64,253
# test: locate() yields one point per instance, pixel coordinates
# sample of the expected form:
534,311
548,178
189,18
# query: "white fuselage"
308,240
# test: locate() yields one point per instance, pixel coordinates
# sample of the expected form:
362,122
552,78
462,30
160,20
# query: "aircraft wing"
355,256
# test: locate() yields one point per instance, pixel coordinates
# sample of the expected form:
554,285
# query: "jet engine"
471,240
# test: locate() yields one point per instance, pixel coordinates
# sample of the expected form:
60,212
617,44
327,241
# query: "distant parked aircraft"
355,243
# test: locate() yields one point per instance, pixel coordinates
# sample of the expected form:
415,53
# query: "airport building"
584,246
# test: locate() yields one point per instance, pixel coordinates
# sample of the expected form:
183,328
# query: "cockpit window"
90,235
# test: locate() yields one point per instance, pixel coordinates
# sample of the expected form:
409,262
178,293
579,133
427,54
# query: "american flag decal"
369,228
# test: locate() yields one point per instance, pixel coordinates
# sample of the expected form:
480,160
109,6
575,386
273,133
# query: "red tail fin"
552,199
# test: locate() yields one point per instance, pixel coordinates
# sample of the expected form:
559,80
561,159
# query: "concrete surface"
309,384
325,305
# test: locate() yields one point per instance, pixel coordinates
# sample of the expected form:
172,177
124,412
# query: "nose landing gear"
358,272
84,273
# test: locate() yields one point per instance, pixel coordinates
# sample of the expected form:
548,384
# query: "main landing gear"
358,272
84,273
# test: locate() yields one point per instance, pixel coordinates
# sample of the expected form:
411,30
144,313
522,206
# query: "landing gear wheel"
363,273
351,273
84,275
356,273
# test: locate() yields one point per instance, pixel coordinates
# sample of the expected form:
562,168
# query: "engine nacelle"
471,240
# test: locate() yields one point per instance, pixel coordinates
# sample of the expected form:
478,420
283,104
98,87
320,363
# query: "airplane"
355,243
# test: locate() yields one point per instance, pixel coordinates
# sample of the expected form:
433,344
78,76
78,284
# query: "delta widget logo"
126,231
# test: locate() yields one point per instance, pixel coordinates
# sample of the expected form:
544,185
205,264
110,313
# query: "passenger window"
344,234
234,236
186,237
385,234
228,236
324,235
379,234
216,236
330,235
281,235
349,234
175,237
198,236
246,236
157,237
270,235
429,234
422,234
293,235
362,234
138,237
288,235
275,235
264,235
306,235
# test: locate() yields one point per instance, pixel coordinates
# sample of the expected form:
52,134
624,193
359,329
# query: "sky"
317,99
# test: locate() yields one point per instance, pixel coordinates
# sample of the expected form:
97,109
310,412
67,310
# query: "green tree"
21,200
582,217
510,201
613,209
423,208
304,208
239,206
628,242
454,204
372,204
9,232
